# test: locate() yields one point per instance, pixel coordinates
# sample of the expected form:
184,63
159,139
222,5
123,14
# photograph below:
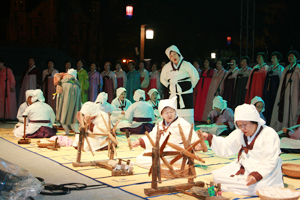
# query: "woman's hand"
136,143
205,135
250,180
59,89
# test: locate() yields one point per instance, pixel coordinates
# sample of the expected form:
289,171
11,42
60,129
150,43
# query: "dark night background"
197,28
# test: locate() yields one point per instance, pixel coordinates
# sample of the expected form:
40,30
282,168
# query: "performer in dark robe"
31,79
271,84
241,82
286,107
109,81
48,85
229,81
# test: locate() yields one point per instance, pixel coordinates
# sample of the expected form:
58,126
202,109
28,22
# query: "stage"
56,168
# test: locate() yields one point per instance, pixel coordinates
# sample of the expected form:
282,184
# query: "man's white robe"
36,111
175,138
262,160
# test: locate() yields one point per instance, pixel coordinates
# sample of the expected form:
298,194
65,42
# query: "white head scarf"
247,112
218,102
258,99
28,93
120,90
138,94
37,95
167,103
102,98
151,92
173,48
90,108
72,72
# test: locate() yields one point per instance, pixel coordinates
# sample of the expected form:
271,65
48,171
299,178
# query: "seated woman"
22,109
290,140
40,118
102,102
154,96
140,114
120,104
94,111
259,105
221,115
168,110
258,164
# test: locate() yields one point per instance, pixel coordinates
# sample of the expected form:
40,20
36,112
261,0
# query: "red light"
228,39
129,11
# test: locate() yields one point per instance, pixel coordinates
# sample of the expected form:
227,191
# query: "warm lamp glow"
149,34
228,39
124,60
213,55
129,11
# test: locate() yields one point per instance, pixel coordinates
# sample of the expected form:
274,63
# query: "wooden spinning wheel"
186,153
85,133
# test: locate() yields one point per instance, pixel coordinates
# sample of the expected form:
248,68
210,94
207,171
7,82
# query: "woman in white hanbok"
97,118
258,164
168,110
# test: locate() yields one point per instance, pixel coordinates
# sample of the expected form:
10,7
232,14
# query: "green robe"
83,79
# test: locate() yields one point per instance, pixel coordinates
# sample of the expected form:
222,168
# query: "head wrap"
172,103
72,72
102,98
28,93
151,92
120,90
138,95
258,99
37,95
247,112
173,48
90,108
218,102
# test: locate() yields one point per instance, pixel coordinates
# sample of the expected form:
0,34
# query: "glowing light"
149,34
129,11
124,60
213,55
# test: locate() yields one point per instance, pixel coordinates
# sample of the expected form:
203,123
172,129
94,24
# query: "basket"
292,170
165,171
45,145
272,198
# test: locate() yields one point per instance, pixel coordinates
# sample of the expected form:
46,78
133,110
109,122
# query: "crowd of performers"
262,97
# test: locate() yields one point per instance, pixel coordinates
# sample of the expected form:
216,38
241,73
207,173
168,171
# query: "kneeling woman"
140,114
168,111
97,121
40,117
258,164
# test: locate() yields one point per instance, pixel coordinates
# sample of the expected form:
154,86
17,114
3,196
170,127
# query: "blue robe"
133,83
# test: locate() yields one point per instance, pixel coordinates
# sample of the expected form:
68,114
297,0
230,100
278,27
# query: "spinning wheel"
187,153
84,132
